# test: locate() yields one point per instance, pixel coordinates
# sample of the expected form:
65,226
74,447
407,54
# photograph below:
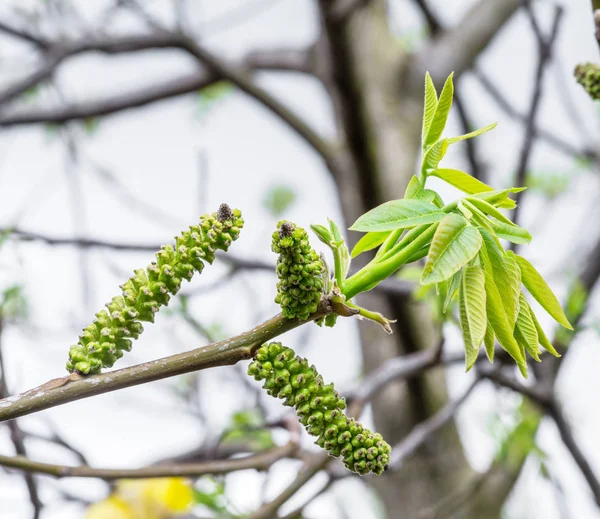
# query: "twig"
423,431
269,510
261,461
566,434
244,83
74,387
17,438
545,135
545,54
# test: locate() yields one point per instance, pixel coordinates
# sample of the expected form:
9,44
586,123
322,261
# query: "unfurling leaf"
430,106
526,331
500,198
441,113
434,155
470,135
541,292
461,180
369,241
473,321
502,329
489,210
398,214
454,244
511,233
489,342
506,274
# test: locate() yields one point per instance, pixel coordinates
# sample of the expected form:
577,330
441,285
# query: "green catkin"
319,408
111,333
300,272
588,76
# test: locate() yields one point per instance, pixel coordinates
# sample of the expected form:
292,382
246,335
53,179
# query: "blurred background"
123,121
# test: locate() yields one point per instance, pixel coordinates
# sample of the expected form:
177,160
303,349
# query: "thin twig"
261,461
545,55
566,434
425,430
18,439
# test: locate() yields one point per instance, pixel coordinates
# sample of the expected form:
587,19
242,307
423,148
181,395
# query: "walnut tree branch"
75,387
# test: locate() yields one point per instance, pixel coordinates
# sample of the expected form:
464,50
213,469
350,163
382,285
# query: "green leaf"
430,105
454,244
486,208
489,342
525,330
541,292
470,135
506,274
473,320
511,232
441,113
322,233
434,155
454,283
500,198
413,187
398,214
502,329
369,241
544,341
461,180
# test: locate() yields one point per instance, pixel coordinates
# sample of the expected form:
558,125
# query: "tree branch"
75,387
545,55
423,431
244,83
261,461
455,50
566,434
278,60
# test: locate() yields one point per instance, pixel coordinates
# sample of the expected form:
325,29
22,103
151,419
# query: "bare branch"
18,440
455,50
261,461
244,83
566,433
23,34
286,60
545,46
423,431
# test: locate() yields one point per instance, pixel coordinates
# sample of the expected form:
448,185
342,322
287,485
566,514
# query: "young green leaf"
322,233
441,113
473,320
489,342
470,135
525,330
502,329
488,209
506,274
541,292
454,244
500,198
511,233
546,344
413,187
434,155
453,284
369,241
430,106
461,180
398,214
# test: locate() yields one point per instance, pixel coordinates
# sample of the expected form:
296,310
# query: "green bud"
300,272
103,342
588,76
319,408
